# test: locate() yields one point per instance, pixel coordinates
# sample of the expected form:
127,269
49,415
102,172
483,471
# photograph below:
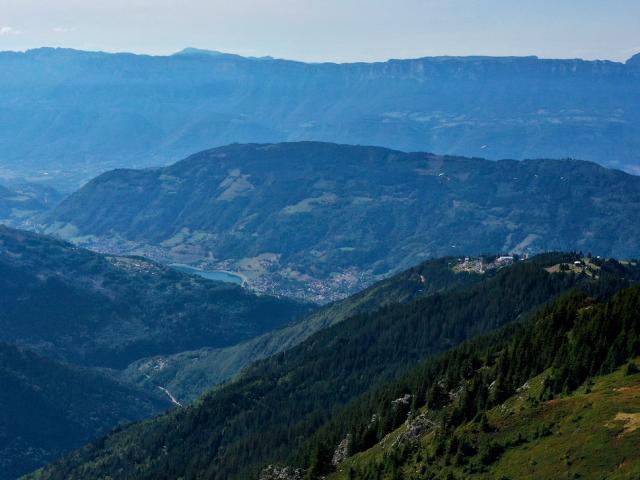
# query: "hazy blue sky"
331,30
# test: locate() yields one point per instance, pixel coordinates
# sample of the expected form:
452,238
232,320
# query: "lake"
218,275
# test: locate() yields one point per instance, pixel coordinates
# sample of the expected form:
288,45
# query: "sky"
330,30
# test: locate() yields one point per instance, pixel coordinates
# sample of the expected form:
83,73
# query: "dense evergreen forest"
48,408
68,316
73,304
568,343
269,414
189,374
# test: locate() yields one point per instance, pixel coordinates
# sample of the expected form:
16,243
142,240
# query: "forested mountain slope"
529,402
98,310
269,413
189,374
334,217
49,408
72,115
590,433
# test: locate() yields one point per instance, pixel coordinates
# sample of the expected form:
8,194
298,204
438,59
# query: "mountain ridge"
50,408
71,318
214,52
189,374
301,218
513,107
513,394
96,310
271,412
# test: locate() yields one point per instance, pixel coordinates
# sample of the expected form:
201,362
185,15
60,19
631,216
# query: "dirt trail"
171,397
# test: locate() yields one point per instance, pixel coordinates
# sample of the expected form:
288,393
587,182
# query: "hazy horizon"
266,55
330,31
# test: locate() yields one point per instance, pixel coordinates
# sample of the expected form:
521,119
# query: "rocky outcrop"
275,472
419,426
416,428
341,453
402,401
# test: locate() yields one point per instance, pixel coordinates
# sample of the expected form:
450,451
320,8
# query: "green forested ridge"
189,374
297,213
84,307
270,412
514,413
49,408
73,305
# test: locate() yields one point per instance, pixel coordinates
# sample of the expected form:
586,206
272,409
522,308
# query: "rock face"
419,426
416,428
401,402
341,453
274,472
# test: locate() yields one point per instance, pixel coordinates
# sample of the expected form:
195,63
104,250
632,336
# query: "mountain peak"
216,53
200,51
634,60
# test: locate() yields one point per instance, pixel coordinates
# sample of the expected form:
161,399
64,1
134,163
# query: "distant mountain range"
69,115
322,220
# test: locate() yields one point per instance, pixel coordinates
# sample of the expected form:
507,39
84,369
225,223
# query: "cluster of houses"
480,265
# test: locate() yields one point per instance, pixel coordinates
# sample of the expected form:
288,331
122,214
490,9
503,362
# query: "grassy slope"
593,434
